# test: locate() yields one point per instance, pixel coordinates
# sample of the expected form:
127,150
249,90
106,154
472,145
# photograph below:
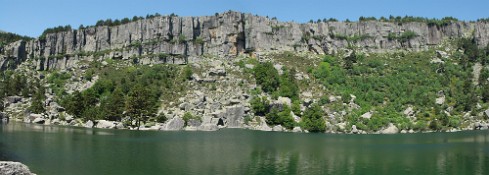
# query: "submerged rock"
14,168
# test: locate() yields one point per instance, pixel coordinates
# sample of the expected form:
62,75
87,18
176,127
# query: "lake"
52,150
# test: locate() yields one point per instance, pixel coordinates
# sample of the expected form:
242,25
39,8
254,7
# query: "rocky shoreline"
14,168
177,124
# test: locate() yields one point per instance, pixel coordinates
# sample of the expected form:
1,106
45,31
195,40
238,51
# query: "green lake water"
53,150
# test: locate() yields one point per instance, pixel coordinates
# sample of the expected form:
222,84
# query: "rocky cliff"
173,39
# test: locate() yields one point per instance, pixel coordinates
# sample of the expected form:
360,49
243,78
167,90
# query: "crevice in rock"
220,122
108,35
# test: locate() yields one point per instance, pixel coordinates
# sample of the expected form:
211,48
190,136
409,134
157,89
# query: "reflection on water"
69,150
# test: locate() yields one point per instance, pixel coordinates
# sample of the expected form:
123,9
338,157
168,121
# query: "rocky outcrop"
177,40
14,168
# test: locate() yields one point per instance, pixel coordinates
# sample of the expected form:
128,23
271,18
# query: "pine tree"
138,104
75,104
114,105
37,105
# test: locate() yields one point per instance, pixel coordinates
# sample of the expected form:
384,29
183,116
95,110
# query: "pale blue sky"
31,17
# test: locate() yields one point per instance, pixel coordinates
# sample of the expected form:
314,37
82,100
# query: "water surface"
68,150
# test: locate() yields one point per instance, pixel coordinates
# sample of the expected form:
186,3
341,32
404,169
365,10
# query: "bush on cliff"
313,120
266,76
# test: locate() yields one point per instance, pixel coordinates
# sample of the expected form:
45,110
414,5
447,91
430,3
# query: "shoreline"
193,129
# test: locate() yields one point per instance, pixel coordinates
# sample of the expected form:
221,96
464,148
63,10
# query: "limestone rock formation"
177,40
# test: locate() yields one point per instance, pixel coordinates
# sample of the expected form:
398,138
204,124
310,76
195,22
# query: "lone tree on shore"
138,104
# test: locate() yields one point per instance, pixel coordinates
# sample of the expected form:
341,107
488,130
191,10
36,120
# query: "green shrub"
266,76
403,37
283,118
313,120
260,105
187,72
247,119
322,71
188,116
161,118
288,85
296,107
420,125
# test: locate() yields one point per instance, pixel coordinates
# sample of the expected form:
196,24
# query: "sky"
31,17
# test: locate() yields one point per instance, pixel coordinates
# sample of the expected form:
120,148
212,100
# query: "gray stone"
105,124
38,120
354,129
297,129
441,54
278,128
174,124
13,99
409,111
14,168
194,123
217,71
440,100
89,124
249,66
367,115
391,129
263,126
284,101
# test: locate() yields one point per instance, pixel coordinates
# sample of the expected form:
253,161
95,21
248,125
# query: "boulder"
391,129
440,100
332,99
119,126
105,124
263,127
341,126
56,122
217,71
279,68
409,111
249,66
194,123
278,128
14,168
38,120
284,101
441,54
68,118
89,124
367,115
234,116
297,129
174,124
184,106
13,99
354,129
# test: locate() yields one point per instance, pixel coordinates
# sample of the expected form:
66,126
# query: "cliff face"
173,39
